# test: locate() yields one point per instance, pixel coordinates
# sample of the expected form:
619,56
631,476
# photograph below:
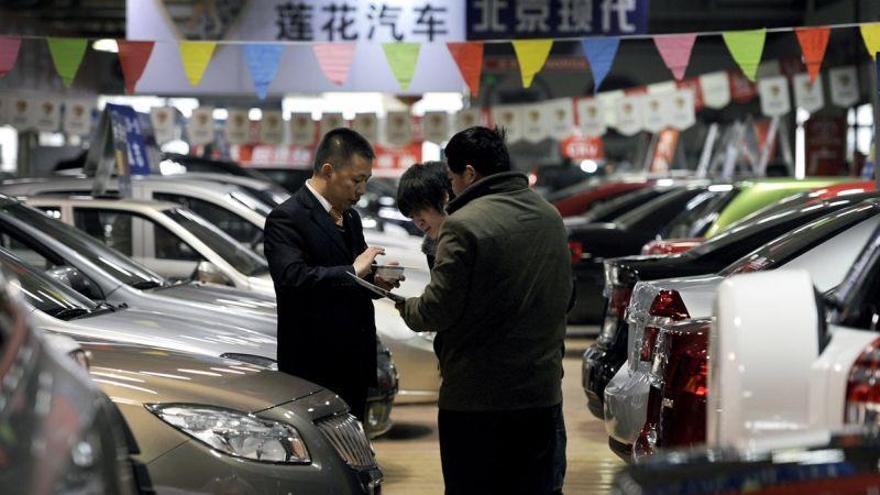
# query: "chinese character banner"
380,21
518,19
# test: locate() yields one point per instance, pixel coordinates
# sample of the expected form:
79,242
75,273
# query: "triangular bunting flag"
469,57
531,55
676,52
600,53
746,48
813,42
67,54
402,57
335,60
262,61
196,55
133,56
871,37
8,54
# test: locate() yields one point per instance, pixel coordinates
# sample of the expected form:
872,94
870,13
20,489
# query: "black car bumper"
599,367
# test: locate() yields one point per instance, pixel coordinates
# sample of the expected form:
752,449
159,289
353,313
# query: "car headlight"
236,433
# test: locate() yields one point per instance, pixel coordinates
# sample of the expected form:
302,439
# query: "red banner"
664,153
392,162
741,89
580,148
265,155
826,145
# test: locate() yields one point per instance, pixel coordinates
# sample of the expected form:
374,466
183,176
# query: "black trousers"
498,452
355,395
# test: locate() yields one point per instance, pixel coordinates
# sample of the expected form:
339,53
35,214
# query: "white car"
231,207
825,378
177,243
826,248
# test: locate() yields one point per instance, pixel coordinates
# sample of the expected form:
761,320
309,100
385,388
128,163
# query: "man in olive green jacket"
498,298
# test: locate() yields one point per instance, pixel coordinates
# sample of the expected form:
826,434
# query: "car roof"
203,184
115,203
238,180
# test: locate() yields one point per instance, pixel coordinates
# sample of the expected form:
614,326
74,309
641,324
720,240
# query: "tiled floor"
410,457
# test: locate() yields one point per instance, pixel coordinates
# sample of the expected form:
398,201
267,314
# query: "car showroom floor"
410,457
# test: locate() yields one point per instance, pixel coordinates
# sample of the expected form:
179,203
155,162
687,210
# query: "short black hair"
339,145
479,147
422,186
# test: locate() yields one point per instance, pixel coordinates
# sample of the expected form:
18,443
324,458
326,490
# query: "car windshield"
700,213
784,248
241,258
252,203
113,262
45,294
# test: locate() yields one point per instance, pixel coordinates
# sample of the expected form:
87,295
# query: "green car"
725,204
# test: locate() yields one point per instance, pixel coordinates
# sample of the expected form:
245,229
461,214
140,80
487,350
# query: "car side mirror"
208,273
74,279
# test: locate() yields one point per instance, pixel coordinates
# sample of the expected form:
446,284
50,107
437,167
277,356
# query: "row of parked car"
165,303
738,320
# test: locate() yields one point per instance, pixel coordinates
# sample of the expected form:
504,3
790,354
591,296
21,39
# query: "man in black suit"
314,241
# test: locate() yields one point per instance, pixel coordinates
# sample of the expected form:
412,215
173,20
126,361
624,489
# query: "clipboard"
377,290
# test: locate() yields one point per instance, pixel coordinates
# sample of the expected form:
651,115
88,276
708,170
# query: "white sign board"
775,98
591,117
200,126
78,117
272,127
163,120
302,129
238,126
435,127
809,95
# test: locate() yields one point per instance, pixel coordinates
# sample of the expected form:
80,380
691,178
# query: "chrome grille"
347,436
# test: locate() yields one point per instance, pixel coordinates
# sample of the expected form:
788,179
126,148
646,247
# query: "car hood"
152,375
227,298
137,326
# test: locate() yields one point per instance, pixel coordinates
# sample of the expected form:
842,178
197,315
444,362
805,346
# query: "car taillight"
666,305
618,301
684,388
577,251
649,342
863,387
676,414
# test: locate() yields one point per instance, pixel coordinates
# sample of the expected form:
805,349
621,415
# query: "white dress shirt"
321,199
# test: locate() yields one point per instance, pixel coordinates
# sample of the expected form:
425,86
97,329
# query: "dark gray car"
60,433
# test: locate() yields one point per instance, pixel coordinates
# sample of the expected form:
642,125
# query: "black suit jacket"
326,324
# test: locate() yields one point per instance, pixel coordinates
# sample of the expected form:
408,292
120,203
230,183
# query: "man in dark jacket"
314,242
498,297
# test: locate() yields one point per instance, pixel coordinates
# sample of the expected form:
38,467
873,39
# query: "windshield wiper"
69,313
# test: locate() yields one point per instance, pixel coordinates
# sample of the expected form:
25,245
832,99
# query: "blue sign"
519,19
128,139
